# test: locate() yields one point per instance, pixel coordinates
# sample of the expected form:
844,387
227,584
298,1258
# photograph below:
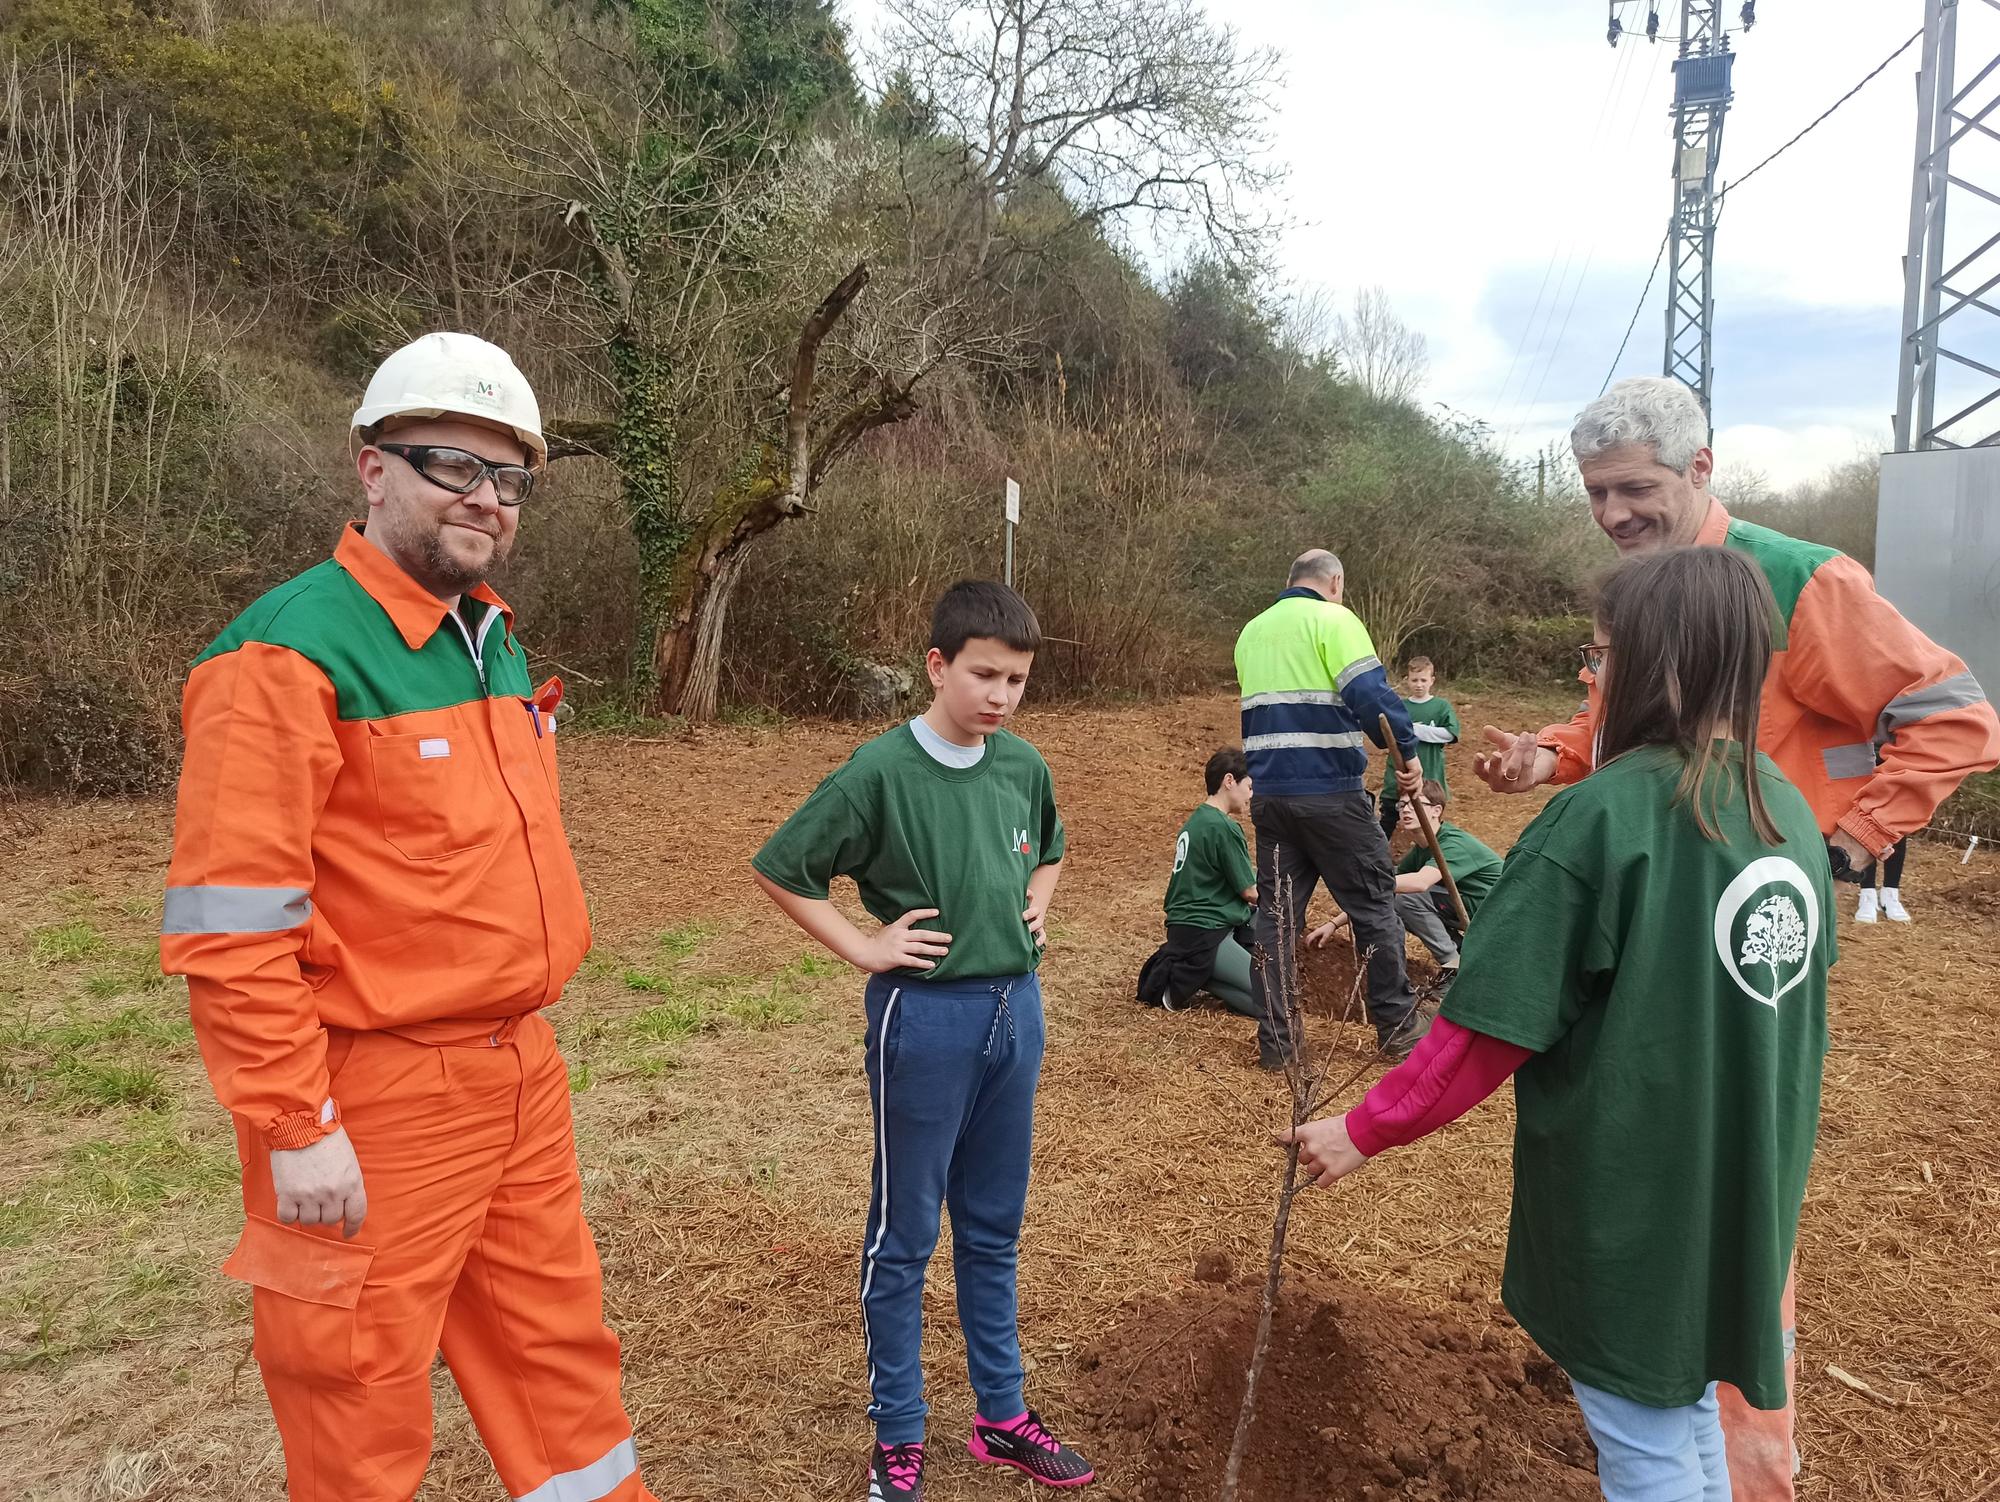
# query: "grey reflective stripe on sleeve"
1436,735
1298,740
1355,669
589,1483
1956,692
1849,761
1292,696
234,910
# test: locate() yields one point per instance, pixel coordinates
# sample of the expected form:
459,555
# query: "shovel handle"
1430,832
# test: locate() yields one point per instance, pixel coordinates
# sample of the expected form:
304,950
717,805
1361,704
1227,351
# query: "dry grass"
725,1144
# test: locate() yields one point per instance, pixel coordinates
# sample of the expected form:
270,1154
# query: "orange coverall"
372,898
1850,678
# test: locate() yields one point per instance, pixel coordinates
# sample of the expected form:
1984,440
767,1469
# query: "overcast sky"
1504,175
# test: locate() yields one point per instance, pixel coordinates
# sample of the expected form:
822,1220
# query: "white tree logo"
1774,936
1779,932
1180,851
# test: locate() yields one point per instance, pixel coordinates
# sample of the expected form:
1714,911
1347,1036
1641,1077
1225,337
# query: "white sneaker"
1892,906
1864,912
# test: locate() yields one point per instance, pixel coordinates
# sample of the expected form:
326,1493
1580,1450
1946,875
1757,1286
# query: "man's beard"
435,567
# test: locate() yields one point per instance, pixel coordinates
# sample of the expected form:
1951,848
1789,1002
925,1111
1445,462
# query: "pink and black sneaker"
896,1473
1030,1449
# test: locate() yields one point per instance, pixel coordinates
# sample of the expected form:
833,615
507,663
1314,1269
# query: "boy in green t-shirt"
1209,900
1436,724
1422,900
946,818
1651,969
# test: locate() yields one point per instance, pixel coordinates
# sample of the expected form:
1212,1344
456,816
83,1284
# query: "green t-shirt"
1673,990
914,833
1212,870
1474,866
1436,724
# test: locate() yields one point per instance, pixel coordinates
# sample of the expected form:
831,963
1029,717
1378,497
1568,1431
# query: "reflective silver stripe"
1292,696
1956,692
1436,735
234,910
1849,761
1355,669
880,1102
1299,740
589,1483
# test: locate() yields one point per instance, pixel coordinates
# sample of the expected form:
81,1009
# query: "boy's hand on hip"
903,946
320,1185
1517,763
1037,918
1326,1152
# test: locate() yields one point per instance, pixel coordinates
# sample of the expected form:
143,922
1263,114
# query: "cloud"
1503,174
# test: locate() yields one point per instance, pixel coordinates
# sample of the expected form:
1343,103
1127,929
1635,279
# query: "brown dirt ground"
725,1172
1362,1397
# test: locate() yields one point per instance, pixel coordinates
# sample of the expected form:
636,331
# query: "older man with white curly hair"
1873,721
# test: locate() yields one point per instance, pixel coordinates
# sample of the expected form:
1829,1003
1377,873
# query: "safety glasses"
458,471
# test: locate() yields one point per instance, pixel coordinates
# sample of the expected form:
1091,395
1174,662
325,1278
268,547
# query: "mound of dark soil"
1361,1398
1981,894
1327,978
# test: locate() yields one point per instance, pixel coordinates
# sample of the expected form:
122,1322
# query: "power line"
1614,90
1546,357
1739,182
1644,95
1646,292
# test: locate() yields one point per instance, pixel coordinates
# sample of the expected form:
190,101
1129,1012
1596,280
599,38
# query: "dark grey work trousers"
1334,838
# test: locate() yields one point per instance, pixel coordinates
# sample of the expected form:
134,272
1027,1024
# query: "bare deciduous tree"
722,275
1117,108
109,346
1383,354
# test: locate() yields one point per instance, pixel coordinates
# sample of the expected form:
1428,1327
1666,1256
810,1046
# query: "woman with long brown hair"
1651,971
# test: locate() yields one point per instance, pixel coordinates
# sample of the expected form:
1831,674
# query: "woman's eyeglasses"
458,471
1593,655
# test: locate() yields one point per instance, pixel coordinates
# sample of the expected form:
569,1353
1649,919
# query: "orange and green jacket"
1851,681
367,835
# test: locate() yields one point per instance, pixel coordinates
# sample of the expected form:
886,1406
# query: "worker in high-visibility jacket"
372,899
1314,696
1851,680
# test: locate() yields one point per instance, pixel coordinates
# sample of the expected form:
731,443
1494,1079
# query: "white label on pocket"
433,746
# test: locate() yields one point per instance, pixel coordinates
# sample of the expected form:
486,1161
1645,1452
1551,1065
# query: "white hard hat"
455,375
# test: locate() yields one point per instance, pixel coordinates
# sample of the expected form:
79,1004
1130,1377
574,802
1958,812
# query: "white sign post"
1013,521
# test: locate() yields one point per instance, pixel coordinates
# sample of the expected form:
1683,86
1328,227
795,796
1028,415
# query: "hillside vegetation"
794,314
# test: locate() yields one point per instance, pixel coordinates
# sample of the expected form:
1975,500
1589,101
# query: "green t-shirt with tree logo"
1673,990
914,833
1474,866
1436,724
1212,871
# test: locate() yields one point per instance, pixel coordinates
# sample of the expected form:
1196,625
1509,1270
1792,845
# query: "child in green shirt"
1651,969
948,826
1422,900
1209,900
1436,724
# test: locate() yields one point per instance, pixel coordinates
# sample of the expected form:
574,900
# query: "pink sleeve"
1452,1070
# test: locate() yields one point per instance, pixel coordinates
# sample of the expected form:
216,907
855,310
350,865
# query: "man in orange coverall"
1850,676
372,898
